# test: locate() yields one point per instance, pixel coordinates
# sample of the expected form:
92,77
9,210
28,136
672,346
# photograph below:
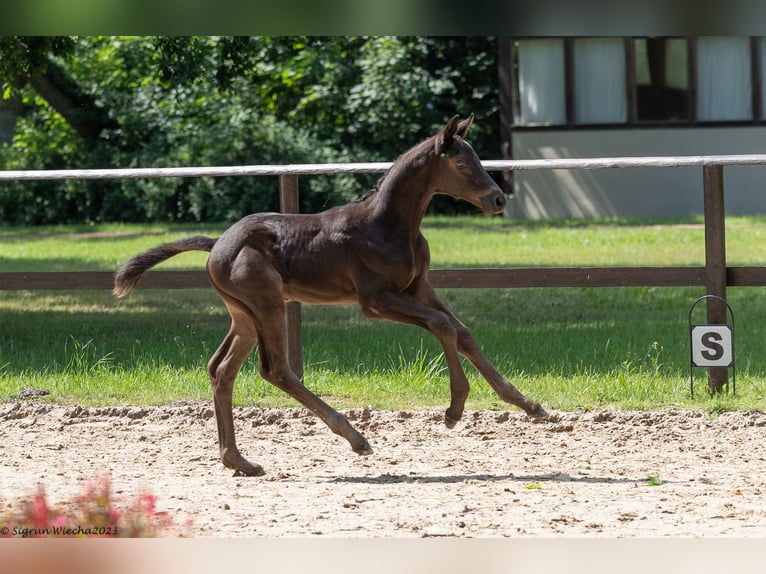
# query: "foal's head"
459,172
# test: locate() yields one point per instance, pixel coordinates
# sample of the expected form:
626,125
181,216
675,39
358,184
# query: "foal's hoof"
538,414
242,467
452,416
364,449
250,470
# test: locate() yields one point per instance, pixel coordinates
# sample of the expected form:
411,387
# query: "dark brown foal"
370,251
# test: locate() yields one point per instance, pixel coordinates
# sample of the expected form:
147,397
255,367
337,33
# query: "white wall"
634,192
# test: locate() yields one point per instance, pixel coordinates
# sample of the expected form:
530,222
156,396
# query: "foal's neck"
405,192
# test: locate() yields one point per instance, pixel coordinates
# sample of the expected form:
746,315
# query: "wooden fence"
715,276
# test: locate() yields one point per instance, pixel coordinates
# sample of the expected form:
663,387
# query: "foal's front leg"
404,308
469,348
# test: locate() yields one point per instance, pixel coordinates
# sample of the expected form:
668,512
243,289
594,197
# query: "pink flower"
146,503
40,511
89,488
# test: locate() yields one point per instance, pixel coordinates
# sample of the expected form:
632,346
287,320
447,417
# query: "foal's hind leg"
276,369
223,368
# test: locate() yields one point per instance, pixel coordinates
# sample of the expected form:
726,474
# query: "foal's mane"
401,163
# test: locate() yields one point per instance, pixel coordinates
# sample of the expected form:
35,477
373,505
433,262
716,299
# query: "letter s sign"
711,341
712,346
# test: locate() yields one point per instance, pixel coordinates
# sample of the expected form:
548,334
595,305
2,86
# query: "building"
632,96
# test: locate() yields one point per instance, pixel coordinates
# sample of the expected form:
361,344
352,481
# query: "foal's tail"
127,276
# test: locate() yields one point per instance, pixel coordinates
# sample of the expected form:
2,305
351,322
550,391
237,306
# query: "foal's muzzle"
494,202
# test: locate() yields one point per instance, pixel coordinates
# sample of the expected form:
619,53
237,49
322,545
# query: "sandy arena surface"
497,474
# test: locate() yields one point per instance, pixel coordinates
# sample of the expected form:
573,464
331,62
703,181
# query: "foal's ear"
463,126
444,137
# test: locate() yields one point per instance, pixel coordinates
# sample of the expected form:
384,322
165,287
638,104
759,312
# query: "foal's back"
314,255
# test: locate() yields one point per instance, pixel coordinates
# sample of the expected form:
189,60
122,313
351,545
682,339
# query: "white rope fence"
379,167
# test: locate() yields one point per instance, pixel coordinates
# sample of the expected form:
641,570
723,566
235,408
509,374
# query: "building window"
724,84
641,81
540,82
599,71
662,79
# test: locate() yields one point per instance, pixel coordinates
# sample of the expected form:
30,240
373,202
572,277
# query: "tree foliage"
182,101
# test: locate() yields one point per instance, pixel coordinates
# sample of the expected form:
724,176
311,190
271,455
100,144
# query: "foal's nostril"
493,202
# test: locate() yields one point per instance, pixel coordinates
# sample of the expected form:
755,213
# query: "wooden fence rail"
442,278
715,276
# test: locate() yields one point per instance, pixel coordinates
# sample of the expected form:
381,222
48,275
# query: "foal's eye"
460,164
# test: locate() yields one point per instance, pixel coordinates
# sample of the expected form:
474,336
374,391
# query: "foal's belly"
319,292
316,278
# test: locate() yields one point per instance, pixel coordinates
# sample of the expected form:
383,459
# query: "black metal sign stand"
711,345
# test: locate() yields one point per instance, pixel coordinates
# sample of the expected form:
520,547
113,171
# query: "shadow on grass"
52,264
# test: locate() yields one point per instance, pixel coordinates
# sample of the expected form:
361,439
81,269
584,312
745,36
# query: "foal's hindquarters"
252,290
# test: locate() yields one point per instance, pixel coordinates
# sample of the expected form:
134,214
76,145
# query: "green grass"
569,348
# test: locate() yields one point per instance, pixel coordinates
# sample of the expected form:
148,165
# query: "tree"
163,101
30,60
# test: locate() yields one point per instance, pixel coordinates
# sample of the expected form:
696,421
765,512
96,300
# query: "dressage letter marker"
711,345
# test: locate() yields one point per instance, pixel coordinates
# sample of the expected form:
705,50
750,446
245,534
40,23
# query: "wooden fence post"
715,261
288,200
